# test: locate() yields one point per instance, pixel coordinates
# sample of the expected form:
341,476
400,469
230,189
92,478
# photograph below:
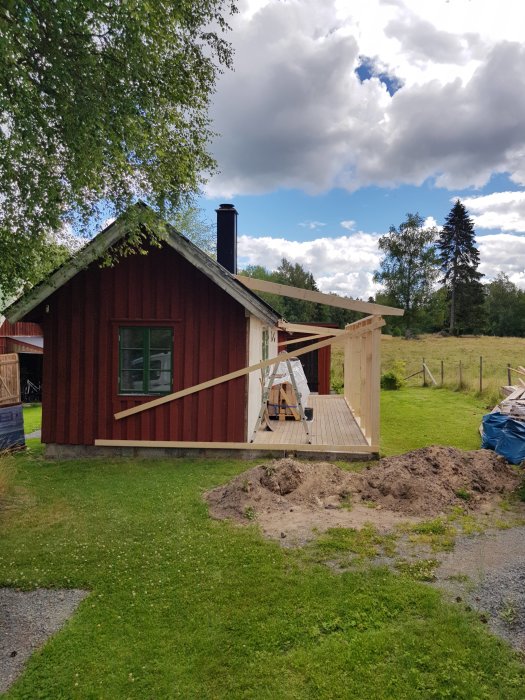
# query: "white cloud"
344,265
430,222
503,211
348,225
294,114
503,252
312,225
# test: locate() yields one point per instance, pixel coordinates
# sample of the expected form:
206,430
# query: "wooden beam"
318,297
430,374
227,377
301,340
301,328
375,386
300,447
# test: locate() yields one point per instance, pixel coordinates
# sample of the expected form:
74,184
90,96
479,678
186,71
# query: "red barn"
26,340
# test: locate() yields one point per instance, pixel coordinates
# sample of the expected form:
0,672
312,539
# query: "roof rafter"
285,290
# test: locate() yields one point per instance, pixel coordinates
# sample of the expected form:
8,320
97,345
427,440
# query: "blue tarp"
511,443
11,427
493,424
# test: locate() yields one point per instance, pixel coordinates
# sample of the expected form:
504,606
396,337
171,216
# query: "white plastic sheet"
283,376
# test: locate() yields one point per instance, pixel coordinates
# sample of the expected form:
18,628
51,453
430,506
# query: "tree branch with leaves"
409,266
103,101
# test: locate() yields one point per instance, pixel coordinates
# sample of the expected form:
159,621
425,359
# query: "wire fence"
463,374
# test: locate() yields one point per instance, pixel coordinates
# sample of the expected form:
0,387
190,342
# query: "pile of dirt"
278,485
289,495
428,481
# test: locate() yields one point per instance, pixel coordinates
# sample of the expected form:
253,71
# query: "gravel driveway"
487,572
27,620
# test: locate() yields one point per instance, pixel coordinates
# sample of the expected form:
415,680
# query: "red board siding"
20,328
80,384
324,357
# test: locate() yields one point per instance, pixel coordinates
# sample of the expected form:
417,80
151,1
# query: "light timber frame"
362,368
361,341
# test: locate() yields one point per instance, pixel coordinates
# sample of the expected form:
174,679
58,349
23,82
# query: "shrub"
394,378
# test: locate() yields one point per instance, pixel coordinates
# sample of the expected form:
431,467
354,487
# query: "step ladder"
266,393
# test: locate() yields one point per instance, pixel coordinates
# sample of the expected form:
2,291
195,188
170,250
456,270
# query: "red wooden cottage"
140,353
150,325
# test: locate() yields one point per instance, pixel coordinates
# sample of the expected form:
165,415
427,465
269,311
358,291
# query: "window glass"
131,337
145,360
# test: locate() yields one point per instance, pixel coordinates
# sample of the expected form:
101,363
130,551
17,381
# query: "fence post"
508,375
442,373
460,375
480,374
424,373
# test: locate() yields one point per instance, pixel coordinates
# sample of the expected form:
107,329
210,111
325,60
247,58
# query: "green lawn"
32,417
415,417
185,607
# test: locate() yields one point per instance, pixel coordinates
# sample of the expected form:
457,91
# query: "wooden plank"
9,380
308,337
318,297
300,328
224,378
375,385
289,405
516,394
430,374
304,447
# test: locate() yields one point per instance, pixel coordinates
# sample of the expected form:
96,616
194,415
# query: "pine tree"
459,260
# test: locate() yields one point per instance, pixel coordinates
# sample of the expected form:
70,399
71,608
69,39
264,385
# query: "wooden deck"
332,424
334,434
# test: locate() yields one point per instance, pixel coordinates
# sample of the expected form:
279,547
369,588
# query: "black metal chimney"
227,237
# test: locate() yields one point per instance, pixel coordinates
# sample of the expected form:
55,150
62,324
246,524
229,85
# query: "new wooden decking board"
333,424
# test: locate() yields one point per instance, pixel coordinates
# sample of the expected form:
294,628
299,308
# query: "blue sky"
340,118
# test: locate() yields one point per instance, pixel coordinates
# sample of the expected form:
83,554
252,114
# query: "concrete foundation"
54,451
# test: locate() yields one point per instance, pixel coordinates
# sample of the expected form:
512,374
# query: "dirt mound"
428,481
286,496
277,486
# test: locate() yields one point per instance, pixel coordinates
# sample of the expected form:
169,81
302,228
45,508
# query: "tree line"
432,274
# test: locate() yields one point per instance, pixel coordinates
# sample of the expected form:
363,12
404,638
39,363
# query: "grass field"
32,417
496,353
185,607
414,417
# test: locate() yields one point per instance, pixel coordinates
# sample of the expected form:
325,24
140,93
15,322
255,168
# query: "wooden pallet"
282,403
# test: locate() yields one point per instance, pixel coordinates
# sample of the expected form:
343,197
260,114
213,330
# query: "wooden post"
460,375
375,386
509,382
424,374
442,373
480,374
